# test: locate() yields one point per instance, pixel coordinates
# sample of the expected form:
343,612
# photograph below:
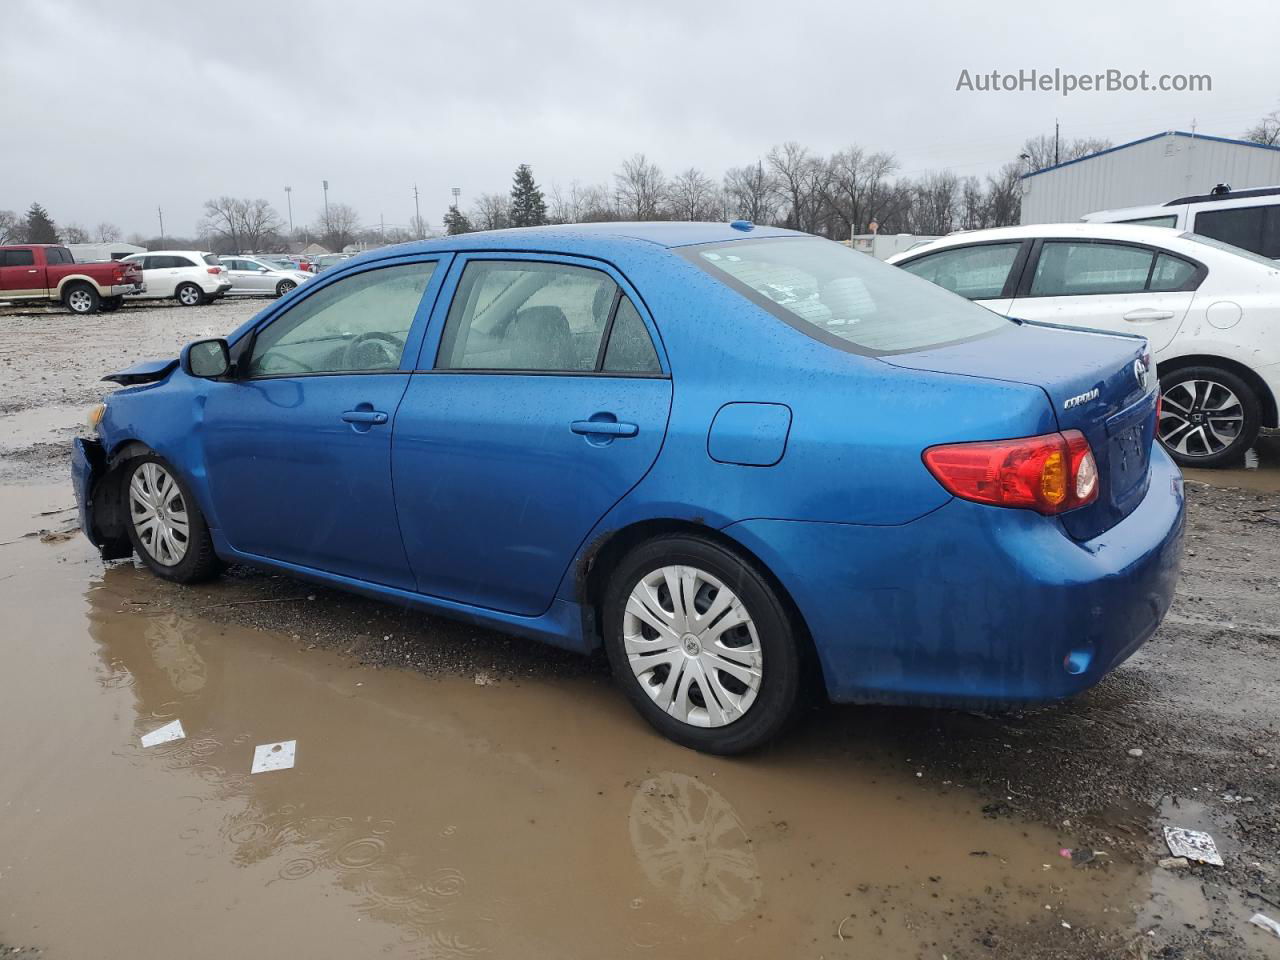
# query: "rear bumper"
974,604
127,289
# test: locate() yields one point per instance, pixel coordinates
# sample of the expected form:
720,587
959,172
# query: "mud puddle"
1259,471
450,818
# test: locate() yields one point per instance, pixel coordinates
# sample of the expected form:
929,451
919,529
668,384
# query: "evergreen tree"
40,227
456,222
528,207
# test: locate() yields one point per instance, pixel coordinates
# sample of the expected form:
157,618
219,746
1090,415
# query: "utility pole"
288,198
160,214
457,192
1055,141
326,202
382,228
417,214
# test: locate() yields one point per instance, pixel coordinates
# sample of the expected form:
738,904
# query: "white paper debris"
1192,844
274,756
170,731
1266,923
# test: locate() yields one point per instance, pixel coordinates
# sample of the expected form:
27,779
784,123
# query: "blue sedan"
735,456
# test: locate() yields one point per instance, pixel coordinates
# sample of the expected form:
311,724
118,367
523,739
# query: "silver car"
254,277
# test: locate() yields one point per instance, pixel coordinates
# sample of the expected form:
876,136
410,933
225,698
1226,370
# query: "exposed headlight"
96,413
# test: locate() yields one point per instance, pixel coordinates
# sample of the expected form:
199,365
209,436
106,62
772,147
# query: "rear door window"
1239,226
630,347
527,315
1084,268
17,258
1170,273
977,272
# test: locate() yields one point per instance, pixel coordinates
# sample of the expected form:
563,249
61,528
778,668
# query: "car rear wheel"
82,298
167,529
284,286
189,295
1208,416
702,645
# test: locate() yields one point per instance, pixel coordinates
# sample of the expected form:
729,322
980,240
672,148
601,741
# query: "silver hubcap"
159,514
1199,418
188,295
693,646
285,288
80,301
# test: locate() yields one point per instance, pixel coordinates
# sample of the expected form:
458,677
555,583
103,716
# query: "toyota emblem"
1140,373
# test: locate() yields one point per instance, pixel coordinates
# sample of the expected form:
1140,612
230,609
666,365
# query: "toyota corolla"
734,456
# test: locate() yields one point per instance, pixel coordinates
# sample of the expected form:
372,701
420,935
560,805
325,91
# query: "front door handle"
604,428
1146,313
364,416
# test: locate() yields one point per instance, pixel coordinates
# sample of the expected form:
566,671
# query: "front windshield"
844,297
1228,248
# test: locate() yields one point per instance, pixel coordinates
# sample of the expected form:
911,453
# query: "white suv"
1249,219
189,276
1210,312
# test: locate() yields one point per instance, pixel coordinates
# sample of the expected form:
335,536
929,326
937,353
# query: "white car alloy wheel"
159,514
692,646
189,295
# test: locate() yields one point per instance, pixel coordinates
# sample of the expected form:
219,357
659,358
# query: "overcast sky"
110,110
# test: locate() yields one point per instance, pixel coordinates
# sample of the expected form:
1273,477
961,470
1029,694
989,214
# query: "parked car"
1249,219
189,276
37,271
1210,311
255,276
725,453
327,260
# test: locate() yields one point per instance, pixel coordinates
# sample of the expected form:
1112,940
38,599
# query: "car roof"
591,238
185,253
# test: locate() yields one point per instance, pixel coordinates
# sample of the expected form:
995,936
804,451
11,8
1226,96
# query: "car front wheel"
167,529
702,645
189,295
1208,416
284,286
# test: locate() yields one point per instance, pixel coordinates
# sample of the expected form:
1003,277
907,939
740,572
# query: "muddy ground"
460,793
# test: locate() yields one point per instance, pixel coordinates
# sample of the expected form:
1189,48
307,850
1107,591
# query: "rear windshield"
1228,248
211,260
843,297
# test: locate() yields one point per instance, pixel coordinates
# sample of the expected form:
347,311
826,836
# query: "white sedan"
1210,311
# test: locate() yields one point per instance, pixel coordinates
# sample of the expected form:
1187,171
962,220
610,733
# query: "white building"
1155,169
92,252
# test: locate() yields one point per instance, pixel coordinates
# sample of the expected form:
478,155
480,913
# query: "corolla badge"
1140,373
1079,399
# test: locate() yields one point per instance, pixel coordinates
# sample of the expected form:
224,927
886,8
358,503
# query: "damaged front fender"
98,499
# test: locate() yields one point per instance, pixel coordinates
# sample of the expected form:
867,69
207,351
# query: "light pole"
457,192
326,202
417,214
288,198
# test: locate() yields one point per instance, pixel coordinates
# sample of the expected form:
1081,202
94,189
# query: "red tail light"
1049,474
118,276
215,270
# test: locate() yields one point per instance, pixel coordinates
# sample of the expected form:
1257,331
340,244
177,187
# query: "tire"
111,304
81,298
284,286
147,494
767,646
1209,416
189,295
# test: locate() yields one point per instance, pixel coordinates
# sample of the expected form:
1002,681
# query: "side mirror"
263,270
206,358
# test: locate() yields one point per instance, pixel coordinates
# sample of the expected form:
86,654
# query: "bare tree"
237,225
641,188
937,200
337,226
751,193
1004,196
74,233
107,232
10,227
801,182
1266,131
1041,152
973,209
491,212
856,187
692,196
599,205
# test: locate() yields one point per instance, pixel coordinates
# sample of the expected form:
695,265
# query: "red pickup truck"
43,271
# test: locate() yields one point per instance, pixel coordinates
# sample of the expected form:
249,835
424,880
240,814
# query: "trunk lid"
1102,384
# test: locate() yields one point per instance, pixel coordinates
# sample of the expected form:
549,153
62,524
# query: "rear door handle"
605,428
1146,313
364,416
